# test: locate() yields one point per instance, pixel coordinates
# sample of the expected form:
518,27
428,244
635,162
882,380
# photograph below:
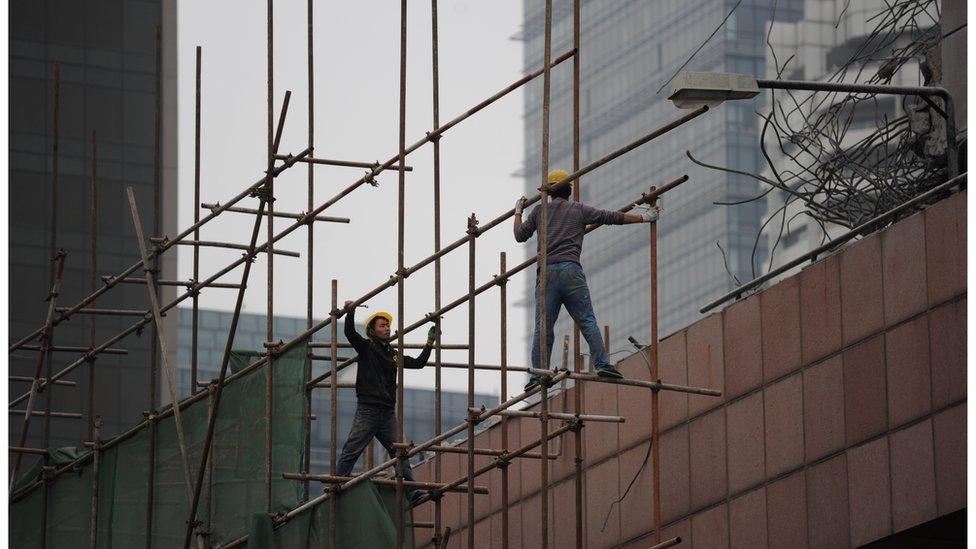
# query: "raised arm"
523,231
356,340
421,360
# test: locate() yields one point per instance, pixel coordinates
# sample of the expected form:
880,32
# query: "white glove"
651,214
520,205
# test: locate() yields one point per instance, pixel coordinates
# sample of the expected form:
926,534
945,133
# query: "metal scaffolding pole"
152,275
472,232
436,110
577,356
503,358
333,411
96,445
195,314
401,234
269,219
310,250
52,252
92,335
543,271
655,376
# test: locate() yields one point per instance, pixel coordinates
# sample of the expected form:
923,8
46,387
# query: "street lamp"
694,89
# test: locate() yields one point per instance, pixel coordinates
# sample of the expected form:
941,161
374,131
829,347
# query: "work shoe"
609,372
533,381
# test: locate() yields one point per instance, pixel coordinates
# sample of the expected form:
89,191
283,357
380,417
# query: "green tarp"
366,518
233,493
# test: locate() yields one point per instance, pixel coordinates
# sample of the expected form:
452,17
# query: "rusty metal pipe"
227,245
283,215
332,479
341,163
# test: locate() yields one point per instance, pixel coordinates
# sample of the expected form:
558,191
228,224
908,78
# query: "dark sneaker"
533,381
609,372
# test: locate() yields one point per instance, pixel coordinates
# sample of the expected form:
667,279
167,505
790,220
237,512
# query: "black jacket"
376,374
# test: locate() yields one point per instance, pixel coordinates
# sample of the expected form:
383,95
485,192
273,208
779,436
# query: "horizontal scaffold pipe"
283,215
654,385
477,451
331,479
342,163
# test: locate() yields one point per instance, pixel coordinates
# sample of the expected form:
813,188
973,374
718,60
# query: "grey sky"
356,113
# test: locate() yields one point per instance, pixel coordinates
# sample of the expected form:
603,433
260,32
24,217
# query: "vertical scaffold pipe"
272,350
154,344
96,473
542,276
92,327
503,338
435,94
401,189
472,235
577,356
655,376
333,408
195,315
310,257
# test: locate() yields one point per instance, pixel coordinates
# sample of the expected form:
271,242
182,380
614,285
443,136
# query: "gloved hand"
432,335
651,214
520,205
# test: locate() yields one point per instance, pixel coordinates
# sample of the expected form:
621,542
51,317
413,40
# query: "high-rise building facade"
107,55
629,49
418,404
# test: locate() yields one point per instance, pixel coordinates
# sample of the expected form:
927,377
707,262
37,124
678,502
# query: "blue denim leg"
553,303
386,434
364,428
576,297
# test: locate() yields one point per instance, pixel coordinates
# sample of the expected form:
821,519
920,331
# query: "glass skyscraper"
629,49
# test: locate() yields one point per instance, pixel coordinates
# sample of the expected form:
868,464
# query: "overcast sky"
356,117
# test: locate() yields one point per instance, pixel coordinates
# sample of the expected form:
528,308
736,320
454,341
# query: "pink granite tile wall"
843,418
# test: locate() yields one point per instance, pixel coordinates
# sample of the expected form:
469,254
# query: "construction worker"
565,282
376,387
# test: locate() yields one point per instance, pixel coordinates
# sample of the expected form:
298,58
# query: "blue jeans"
566,285
371,421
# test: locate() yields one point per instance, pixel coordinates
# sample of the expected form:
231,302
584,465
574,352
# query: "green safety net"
365,517
234,488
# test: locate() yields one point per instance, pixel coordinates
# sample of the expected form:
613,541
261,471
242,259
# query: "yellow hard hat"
557,176
379,314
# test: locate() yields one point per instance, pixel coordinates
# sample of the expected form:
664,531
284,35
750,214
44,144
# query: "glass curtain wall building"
629,49
418,404
107,55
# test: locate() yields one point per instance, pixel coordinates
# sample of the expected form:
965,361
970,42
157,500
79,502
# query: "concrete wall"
843,418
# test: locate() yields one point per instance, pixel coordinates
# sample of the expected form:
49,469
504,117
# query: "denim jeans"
371,421
566,285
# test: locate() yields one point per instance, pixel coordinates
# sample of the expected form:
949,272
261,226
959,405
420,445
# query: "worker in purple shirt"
565,281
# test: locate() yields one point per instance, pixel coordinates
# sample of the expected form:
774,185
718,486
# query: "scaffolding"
194,460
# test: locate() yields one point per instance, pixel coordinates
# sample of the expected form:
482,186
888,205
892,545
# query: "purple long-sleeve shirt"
566,225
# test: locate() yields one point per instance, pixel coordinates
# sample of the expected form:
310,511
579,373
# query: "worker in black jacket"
376,387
